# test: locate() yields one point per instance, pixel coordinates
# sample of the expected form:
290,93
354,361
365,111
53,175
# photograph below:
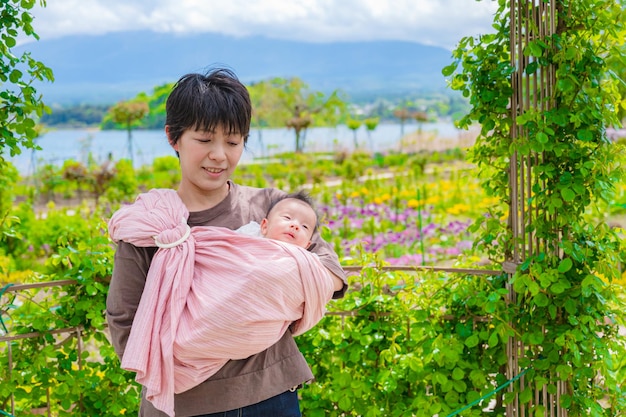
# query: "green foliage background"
400,343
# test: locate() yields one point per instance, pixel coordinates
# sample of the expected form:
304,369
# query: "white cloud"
434,22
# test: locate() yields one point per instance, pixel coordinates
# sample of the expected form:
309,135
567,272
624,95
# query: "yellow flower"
432,200
413,203
446,185
489,202
458,209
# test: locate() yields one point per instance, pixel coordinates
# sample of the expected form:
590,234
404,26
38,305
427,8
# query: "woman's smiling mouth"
214,170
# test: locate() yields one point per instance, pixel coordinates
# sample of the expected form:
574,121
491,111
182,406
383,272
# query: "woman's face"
207,160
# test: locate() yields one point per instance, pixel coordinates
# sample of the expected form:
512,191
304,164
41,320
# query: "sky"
431,22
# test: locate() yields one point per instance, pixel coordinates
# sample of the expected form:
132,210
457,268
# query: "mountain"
107,68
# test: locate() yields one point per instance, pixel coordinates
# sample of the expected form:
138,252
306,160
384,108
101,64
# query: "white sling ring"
173,244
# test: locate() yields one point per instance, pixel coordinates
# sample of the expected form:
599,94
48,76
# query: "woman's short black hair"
205,101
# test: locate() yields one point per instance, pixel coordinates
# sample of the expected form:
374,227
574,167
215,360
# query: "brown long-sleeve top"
240,382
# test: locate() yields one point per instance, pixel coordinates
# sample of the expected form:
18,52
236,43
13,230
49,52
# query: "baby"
291,219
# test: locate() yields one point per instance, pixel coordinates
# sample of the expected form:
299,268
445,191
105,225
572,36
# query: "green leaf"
565,265
542,137
493,339
458,374
10,42
564,370
15,76
345,402
565,85
568,194
472,341
571,306
452,398
552,311
535,49
531,68
566,401
449,69
536,338
584,135
440,378
541,300
525,395
533,287
560,286
434,408
460,386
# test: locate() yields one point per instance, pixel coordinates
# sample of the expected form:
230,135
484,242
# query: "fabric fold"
211,295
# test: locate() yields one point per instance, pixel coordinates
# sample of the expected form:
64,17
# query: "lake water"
77,144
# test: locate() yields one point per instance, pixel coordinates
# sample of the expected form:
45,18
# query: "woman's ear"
169,139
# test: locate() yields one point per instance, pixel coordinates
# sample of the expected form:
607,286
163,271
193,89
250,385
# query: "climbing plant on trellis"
542,91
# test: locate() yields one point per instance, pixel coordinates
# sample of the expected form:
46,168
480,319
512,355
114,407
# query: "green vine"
566,310
409,344
19,100
74,371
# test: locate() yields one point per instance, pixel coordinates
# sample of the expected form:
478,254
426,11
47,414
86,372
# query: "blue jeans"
282,405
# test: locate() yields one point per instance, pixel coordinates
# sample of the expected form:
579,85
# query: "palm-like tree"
128,113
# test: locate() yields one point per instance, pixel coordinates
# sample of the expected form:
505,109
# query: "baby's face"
291,221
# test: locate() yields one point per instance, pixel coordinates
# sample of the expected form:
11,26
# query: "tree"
265,103
128,114
20,105
403,114
155,119
420,117
302,107
354,124
371,123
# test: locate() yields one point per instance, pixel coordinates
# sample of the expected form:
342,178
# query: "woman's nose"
217,153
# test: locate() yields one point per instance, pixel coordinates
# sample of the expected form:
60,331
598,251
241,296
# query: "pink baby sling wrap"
211,295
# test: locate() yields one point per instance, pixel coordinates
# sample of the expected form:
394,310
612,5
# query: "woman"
207,124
